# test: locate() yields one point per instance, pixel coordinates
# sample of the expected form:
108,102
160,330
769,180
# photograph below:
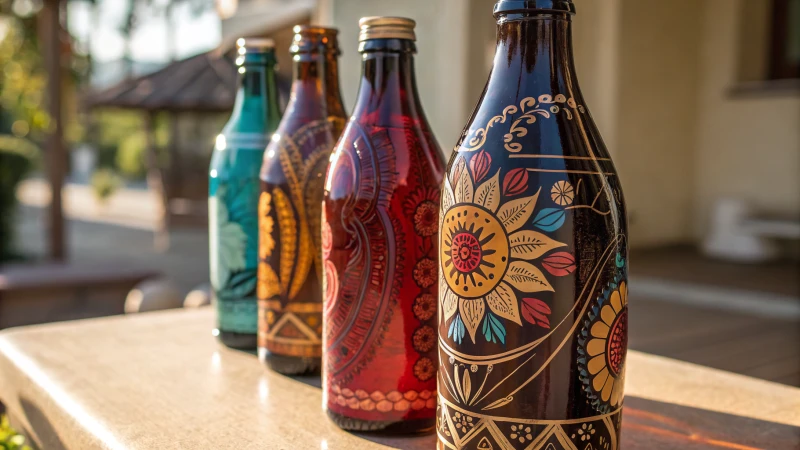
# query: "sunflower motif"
604,349
562,193
484,256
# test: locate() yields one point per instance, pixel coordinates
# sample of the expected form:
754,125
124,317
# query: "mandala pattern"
485,256
603,348
291,266
382,258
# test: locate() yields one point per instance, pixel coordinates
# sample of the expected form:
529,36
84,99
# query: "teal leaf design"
620,261
457,330
227,242
493,329
549,219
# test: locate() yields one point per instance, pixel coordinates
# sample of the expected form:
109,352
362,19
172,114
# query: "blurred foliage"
17,157
104,183
10,439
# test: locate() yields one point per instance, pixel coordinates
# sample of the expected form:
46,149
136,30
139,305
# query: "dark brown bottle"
533,255
292,177
380,230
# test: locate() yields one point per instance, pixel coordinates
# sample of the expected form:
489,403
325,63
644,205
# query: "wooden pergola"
204,83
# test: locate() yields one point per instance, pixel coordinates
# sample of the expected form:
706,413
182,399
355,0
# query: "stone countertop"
160,380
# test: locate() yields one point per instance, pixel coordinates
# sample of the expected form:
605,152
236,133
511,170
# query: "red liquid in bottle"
380,233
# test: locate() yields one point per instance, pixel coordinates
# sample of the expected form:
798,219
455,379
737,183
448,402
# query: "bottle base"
388,427
238,341
290,365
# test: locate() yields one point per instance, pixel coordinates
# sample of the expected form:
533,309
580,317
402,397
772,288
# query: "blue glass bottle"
233,194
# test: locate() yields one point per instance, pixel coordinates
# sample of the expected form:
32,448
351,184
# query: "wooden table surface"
160,380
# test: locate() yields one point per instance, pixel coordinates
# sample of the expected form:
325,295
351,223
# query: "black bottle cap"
509,6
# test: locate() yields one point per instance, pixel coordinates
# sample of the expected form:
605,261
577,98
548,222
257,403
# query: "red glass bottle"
380,228
533,251
292,177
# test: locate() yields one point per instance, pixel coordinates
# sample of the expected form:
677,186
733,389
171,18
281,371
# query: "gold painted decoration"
531,108
288,236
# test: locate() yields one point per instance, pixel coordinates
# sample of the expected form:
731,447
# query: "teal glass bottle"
233,194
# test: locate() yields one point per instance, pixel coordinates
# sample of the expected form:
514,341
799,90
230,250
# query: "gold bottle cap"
386,28
263,43
312,38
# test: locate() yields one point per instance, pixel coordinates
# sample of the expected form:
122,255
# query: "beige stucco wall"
439,61
656,117
748,145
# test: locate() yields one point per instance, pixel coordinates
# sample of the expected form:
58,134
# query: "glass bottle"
379,234
533,255
233,194
292,178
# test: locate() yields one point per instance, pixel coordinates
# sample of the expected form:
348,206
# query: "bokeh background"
110,109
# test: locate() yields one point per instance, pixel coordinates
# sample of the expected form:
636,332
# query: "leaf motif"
559,264
449,303
228,241
466,385
536,312
526,277
305,256
529,244
488,193
464,188
499,403
503,302
515,213
287,227
472,312
516,181
448,199
549,219
495,329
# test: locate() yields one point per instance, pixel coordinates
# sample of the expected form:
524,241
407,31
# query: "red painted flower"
425,306
559,264
424,339
425,272
515,182
424,369
480,165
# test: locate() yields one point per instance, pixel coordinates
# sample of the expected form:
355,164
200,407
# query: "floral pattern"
424,369
425,272
562,193
521,433
423,206
227,240
424,339
425,306
485,257
603,348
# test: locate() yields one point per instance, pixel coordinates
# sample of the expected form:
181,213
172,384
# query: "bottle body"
233,198
533,258
379,254
292,178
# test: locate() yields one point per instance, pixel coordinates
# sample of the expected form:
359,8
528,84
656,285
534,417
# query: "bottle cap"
386,28
255,43
313,38
508,6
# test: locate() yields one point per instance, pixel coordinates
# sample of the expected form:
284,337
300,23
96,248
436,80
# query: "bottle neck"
534,53
257,95
315,85
388,89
